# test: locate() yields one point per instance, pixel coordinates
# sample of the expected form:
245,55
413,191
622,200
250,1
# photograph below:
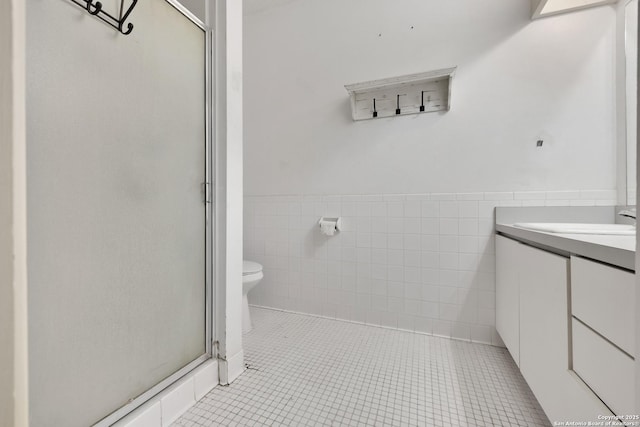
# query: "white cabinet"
607,370
544,338
603,309
541,339
544,319
604,298
508,294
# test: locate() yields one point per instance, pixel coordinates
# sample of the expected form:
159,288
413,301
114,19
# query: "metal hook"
129,29
97,6
123,17
94,7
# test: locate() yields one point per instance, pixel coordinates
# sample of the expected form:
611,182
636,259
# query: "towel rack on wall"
116,22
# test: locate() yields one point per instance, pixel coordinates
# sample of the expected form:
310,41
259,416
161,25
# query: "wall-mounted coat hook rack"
95,9
402,95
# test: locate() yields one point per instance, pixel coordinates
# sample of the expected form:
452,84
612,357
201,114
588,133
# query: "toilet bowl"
251,275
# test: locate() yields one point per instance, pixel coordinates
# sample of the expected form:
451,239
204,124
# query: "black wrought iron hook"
129,29
123,17
97,7
117,21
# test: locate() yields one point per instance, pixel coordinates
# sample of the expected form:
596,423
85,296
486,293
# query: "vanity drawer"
608,371
603,297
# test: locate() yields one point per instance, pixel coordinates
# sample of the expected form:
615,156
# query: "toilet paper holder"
330,225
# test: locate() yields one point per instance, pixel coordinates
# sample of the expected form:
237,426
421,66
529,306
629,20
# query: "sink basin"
576,228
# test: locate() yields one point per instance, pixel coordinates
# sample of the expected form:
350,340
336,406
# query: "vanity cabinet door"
544,320
544,339
509,261
533,319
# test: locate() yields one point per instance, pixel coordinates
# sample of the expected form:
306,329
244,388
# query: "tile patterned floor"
309,371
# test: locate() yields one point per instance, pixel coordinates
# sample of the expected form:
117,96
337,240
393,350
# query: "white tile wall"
419,262
171,403
178,400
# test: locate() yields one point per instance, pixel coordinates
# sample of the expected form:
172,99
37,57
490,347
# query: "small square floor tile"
309,371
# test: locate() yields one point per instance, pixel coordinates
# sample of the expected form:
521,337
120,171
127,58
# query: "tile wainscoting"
417,262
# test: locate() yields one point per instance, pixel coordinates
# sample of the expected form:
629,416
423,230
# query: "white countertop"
610,249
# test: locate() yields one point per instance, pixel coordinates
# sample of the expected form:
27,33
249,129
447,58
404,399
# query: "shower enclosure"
119,223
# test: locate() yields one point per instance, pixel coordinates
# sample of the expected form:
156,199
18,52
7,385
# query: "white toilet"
251,275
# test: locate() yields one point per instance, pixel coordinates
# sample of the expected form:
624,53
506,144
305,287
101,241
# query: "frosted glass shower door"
117,229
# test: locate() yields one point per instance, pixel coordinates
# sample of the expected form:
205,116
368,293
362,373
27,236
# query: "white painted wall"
622,183
417,192
631,89
197,7
13,285
625,97
6,217
517,81
20,279
227,22
637,335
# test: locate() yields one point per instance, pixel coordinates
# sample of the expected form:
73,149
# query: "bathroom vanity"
565,311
